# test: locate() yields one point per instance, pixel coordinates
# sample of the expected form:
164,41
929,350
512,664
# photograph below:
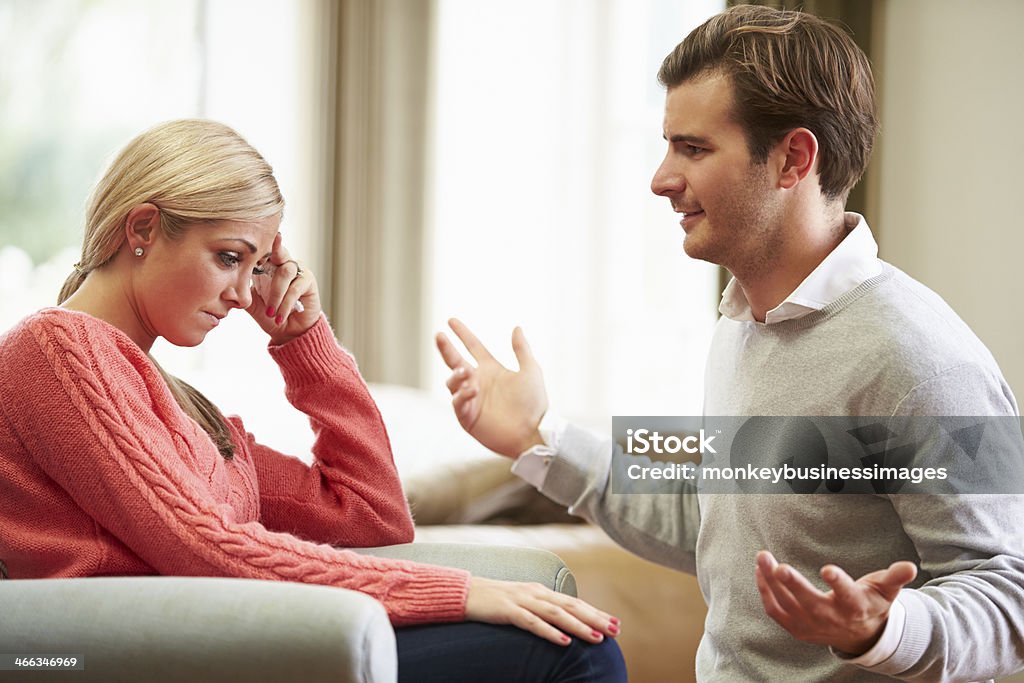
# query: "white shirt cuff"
887,644
532,465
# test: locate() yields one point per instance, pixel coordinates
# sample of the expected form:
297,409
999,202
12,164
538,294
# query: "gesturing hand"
276,292
537,609
500,408
850,617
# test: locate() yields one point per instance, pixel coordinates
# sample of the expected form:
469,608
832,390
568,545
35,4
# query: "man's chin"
696,248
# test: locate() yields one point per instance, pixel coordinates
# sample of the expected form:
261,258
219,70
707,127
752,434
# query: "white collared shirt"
852,262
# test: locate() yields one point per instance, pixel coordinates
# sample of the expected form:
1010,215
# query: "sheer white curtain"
260,61
546,132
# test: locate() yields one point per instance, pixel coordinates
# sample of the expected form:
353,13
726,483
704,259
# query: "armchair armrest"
509,563
165,629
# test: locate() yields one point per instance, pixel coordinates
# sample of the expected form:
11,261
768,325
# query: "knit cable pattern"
411,592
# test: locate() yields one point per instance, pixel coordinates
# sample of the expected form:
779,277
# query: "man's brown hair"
788,70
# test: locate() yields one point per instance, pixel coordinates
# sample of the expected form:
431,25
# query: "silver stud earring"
139,251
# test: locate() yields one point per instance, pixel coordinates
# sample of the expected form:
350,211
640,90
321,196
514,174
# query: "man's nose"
667,180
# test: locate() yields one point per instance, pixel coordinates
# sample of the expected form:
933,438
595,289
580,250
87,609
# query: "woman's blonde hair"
193,171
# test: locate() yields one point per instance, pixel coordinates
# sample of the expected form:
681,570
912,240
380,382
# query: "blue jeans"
472,652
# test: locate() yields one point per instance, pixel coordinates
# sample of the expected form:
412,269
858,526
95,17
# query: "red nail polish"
596,634
270,311
565,639
615,621
613,629
278,320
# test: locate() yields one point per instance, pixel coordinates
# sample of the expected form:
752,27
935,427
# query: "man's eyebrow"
688,139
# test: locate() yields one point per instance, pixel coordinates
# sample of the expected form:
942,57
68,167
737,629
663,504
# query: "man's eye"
692,151
228,259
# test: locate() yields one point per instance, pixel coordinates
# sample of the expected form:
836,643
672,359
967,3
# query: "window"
547,131
79,78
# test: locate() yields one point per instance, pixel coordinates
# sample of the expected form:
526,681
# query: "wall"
950,155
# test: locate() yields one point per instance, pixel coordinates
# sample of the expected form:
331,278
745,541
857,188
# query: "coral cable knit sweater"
101,473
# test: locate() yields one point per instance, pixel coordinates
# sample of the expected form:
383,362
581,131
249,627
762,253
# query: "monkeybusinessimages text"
646,442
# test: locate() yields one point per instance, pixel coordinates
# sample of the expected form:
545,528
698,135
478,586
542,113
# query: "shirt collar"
852,262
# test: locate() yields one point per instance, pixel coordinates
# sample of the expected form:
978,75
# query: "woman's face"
184,287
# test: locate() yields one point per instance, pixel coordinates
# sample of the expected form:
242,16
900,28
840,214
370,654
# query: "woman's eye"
260,270
228,259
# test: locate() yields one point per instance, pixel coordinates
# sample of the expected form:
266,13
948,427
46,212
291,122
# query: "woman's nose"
240,293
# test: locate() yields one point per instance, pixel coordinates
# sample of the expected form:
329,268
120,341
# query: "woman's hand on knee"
539,610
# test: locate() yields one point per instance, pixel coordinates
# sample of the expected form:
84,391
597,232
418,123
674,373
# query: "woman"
115,467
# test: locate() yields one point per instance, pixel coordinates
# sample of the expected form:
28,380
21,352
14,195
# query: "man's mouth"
690,217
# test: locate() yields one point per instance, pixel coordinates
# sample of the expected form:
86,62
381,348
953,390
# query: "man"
770,119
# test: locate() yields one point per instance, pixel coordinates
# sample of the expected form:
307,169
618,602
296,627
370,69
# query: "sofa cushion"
479,492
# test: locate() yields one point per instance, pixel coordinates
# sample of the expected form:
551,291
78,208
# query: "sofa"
199,630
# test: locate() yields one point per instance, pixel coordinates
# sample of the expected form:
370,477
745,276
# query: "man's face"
729,203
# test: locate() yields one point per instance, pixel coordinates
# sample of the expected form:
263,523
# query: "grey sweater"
890,347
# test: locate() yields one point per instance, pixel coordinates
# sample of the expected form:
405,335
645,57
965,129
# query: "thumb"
521,347
902,573
894,578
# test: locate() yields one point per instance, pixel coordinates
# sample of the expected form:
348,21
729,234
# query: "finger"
464,404
282,278
279,254
462,374
903,572
771,606
281,269
841,583
890,581
768,565
559,617
521,347
473,345
805,593
449,354
528,621
586,613
781,592
296,289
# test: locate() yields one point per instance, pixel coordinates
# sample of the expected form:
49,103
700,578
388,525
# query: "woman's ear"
799,157
141,225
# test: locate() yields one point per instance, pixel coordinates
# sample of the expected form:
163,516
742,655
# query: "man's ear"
141,225
798,155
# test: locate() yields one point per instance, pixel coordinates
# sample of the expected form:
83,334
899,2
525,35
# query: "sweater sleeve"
100,422
965,621
351,494
658,526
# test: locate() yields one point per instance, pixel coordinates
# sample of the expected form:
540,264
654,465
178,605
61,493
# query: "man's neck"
804,251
